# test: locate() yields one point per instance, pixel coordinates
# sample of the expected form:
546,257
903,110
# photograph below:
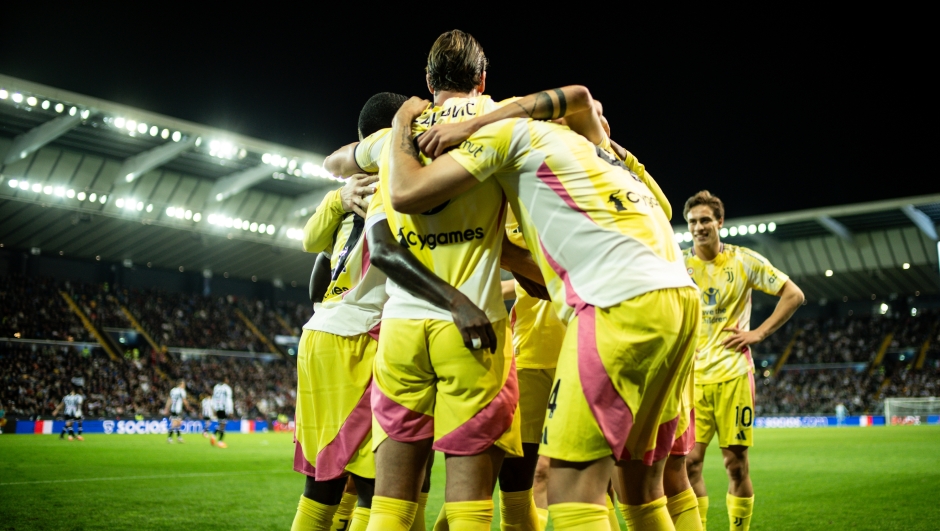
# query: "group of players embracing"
411,350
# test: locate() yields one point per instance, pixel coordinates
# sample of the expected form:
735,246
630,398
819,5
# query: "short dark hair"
705,198
456,62
378,112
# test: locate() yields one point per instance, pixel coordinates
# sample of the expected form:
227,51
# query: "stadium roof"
89,178
98,179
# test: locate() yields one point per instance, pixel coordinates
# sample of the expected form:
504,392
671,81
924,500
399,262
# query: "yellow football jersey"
537,332
637,168
354,299
726,283
458,240
599,234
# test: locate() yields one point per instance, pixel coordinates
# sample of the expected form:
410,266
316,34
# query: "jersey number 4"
553,399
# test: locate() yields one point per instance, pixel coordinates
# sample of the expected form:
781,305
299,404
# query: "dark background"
771,111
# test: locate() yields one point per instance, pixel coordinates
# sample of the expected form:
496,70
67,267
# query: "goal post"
911,410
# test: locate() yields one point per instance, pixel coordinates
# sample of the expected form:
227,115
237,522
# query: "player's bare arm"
791,298
342,162
408,272
573,103
320,278
414,188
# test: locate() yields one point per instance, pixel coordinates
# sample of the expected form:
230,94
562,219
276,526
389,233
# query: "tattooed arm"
414,188
573,103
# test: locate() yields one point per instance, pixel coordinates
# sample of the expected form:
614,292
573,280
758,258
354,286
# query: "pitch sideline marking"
165,476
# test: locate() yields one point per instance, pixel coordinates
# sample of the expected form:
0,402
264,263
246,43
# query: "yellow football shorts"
685,429
429,385
333,413
620,378
534,387
728,408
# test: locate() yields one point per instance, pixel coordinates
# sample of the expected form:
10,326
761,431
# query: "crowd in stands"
34,378
34,309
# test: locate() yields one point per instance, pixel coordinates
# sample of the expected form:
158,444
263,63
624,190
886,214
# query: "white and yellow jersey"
726,283
354,299
598,233
459,240
537,332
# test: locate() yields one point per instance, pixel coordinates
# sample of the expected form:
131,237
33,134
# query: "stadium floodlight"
46,104
723,232
165,134
47,190
118,122
170,211
32,101
270,230
177,136
771,226
762,228
154,130
308,167
80,196
140,206
141,128
742,229
242,153
13,183
266,158
687,236
130,125
228,222
70,193
93,197
913,312
197,217
119,203
24,185
292,164
245,224
253,227
85,114
59,191
188,214
17,97
59,107
4,94
751,229
262,228
37,188
237,223
883,309
149,207
198,141
905,265
72,111
828,272
180,213
103,199
733,231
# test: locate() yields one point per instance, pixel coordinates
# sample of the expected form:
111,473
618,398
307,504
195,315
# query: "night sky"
772,114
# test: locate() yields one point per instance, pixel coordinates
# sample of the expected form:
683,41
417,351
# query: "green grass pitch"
849,478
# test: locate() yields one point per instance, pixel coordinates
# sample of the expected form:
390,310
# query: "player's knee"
737,468
693,465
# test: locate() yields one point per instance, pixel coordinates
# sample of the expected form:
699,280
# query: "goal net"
911,410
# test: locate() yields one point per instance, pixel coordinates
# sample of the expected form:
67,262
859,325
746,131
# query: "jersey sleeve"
320,229
369,151
488,150
761,274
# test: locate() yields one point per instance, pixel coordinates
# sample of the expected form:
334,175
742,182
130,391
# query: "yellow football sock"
703,510
390,514
543,518
360,519
313,516
470,515
683,509
419,523
580,517
441,523
612,515
344,513
517,511
739,512
651,516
